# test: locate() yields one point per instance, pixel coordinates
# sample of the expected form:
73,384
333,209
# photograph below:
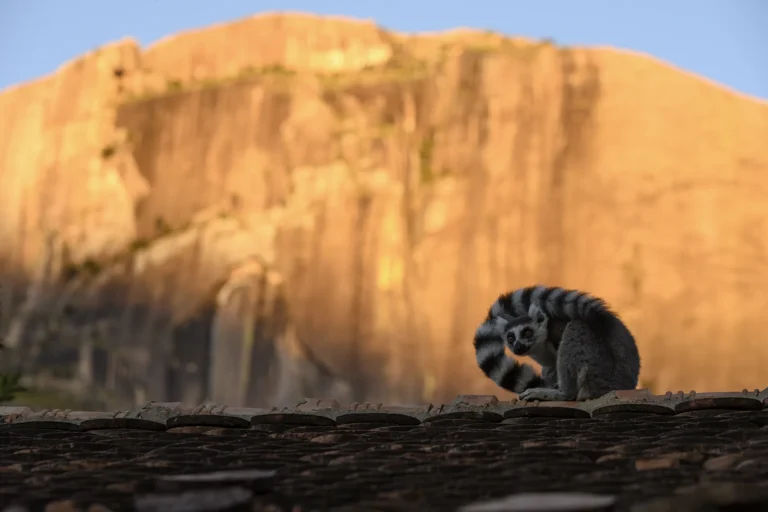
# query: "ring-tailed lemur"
583,347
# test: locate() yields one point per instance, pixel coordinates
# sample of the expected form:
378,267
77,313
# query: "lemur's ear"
507,317
536,313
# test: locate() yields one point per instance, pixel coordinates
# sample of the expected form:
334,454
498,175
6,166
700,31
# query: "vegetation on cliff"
10,383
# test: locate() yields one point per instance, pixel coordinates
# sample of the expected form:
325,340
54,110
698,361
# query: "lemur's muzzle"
520,349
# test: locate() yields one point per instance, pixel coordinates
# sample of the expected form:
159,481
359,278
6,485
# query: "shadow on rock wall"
118,337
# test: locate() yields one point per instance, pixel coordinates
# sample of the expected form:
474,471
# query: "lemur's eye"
526,333
511,336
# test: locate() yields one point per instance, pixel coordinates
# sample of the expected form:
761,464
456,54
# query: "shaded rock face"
334,214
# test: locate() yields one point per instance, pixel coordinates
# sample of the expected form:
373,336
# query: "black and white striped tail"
560,303
497,366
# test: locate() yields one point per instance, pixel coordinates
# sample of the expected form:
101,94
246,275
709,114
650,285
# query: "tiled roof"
623,450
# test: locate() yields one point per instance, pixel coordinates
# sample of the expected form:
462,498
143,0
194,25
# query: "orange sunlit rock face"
373,193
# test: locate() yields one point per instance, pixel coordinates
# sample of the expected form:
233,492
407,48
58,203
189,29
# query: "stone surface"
710,496
544,502
200,220
311,404
547,409
232,499
723,462
376,417
252,479
476,400
10,413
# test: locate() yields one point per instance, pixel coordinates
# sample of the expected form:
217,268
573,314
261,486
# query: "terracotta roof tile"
745,400
477,452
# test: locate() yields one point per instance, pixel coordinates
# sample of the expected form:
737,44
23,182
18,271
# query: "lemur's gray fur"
583,347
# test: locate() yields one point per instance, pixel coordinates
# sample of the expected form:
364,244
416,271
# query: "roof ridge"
328,411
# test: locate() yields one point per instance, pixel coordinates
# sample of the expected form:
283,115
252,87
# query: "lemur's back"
613,361
564,304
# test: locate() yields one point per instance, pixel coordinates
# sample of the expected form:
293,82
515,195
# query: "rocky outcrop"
296,206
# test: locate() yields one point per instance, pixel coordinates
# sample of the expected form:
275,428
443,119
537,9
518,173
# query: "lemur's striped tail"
558,303
503,370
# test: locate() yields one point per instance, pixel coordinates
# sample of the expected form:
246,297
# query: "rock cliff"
292,206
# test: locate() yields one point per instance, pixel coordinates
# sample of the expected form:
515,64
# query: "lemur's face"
525,332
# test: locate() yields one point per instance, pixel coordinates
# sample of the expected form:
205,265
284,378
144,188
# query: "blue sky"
721,40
